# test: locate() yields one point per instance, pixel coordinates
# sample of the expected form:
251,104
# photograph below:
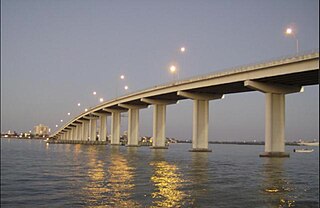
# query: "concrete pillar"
274,115
85,130
93,129
115,128
200,118
159,126
79,133
103,128
274,125
133,127
71,133
200,126
75,133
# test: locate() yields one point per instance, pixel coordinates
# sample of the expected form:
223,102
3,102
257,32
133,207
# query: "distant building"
41,130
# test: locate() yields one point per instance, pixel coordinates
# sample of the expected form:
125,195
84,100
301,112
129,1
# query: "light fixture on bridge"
61,120
94,93
85,110
182,49
69,114
101,100
126,87
172,68
56,125
122,76
290,31
79,104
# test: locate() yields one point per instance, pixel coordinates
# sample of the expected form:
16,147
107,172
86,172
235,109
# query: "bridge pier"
71,133
79,133
159,126
159,121
103,128
75,132
133,123
115,128
68,134
200,126
200,119
85,127
274,116
274,126
93,129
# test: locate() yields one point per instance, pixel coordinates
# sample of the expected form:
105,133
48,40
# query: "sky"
55,53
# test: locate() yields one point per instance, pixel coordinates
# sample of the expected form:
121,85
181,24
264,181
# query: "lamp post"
173,69
291,32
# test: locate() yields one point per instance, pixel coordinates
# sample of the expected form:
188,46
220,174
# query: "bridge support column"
85,129
200,119
75,133
159,126
133,127
133,123
93,129
159,121
79,133
200,126
103,128
274,126
274,116
68,135
71,133
115,128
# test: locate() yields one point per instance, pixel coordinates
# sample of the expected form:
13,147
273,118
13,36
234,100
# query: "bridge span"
274,78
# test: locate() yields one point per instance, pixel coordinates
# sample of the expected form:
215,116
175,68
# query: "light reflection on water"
275,186
167,181
109,187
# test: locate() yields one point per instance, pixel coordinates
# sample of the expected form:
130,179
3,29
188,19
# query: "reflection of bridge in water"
275,79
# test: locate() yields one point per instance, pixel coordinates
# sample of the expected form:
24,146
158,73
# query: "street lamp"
85,110
94,93
122,77
61,120
290,32
182,49
101,100
126,87
56,125
172,69
79,104
69,114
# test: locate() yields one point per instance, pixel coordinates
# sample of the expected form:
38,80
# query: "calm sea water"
34,174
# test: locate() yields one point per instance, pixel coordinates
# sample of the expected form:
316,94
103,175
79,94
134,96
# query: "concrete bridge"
274,78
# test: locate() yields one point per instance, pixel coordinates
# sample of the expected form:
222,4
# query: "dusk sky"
55,53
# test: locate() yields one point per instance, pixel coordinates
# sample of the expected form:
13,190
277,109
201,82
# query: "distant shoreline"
242,143
186,142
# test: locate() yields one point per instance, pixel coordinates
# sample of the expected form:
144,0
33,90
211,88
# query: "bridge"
274,79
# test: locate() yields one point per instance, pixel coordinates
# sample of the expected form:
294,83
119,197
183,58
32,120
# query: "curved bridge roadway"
275,79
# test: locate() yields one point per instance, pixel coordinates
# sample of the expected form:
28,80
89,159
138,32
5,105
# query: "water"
34,174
